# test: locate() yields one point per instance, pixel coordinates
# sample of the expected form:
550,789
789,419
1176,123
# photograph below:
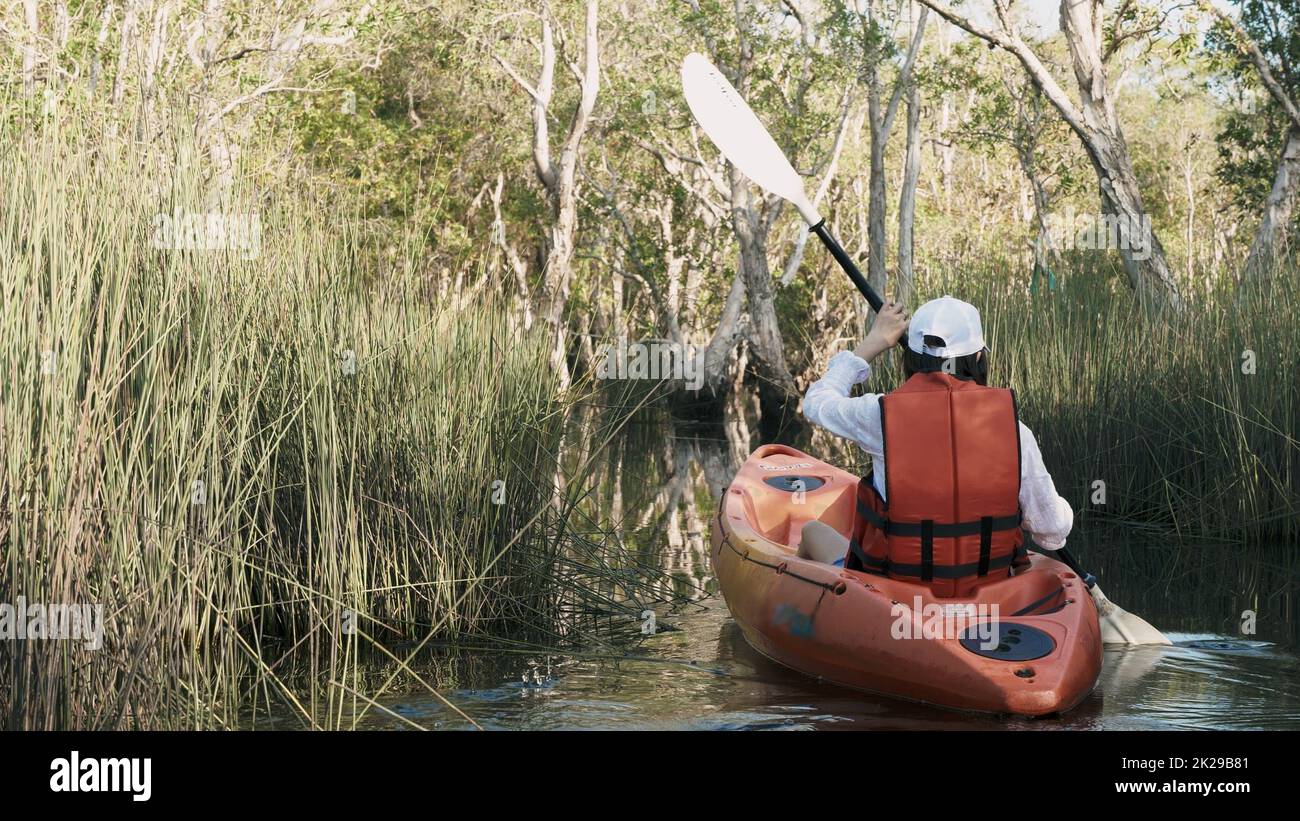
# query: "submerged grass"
261,465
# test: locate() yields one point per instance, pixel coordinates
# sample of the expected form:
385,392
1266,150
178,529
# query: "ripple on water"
704,676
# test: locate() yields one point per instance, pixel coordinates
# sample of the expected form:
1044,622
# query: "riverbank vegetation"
261,463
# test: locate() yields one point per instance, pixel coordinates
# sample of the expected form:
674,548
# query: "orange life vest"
952,480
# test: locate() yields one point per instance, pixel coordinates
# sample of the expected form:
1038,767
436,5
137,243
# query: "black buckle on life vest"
986,543
927,550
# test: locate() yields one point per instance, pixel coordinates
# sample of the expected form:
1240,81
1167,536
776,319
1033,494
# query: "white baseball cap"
946,327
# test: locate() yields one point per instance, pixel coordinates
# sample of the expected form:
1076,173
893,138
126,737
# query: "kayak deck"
1028,644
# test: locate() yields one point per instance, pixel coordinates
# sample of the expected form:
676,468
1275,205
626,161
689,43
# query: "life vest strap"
927,550
866,563
939,531
953,571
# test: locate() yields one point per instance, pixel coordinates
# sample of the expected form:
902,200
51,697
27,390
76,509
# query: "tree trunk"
881,116
127,37
97,55
764,333
731,327
1271,235
1044,252
559,177
674,264
876,207
691,293
945,147
152,64
795,259
1274,222
907,200
31,36
559,273
513,259
1121,197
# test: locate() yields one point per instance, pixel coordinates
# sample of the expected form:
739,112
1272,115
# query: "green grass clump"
239,455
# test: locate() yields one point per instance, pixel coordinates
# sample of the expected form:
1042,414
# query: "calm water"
656,490
704,676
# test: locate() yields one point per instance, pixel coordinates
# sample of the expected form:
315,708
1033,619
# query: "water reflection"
654,492
705,676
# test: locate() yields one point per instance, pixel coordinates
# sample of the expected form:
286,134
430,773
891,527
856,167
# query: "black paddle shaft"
846,262
1073,564
1064,557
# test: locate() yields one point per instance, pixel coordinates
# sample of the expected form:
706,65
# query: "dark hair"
972,366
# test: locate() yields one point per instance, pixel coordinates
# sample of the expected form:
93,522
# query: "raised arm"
827,402
1047,516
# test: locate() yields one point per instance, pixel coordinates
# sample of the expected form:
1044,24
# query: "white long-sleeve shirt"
1047,516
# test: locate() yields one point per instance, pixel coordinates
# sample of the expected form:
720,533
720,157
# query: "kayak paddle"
1118,626
737,132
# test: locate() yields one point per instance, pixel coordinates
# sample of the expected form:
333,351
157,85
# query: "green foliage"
1253,132
1010,112
1248,153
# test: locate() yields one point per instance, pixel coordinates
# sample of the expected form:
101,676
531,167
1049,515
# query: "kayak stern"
1028,645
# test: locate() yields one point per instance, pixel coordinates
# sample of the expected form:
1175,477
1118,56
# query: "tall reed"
257,463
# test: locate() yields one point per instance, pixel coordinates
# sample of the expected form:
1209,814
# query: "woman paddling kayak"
963,474
924,606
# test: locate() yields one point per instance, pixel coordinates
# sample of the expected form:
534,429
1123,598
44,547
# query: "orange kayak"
1025,645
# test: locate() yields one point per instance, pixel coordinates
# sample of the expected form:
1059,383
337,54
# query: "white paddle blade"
1118,626
739,135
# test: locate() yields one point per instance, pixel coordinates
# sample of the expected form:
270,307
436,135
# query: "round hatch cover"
1008,641
794,484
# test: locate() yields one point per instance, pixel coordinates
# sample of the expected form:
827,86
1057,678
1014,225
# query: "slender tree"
1266,34
1095,122
875,23
559,175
